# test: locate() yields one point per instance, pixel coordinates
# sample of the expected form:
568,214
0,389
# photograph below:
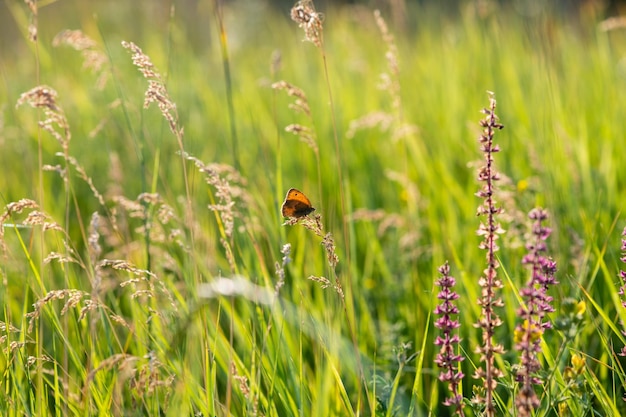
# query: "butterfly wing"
296,204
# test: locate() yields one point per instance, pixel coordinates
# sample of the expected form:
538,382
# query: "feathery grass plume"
93,58
229,191
93,245
145,375
537,303
314,224
383,120
153,214
156,92
8,332
151,376
305,134
622,288
490,285
276,62
73,298
300,105
144,276
447,359
612,23
94,250
44,97
38,219
124,362
244,388
304,14
390,82
32,26
10,209
83,175
63,173
33,218
280,267
145,285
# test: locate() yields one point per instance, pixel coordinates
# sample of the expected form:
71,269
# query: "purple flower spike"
622,289
537,303
490,230
447,359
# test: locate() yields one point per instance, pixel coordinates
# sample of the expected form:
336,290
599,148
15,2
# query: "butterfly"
296,204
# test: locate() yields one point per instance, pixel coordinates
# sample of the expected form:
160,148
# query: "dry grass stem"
73,298
54,256
44,97
243,381
229,191
383,120
301,103
32,26
304,14
38,218
390,82
145,277
314,224
83,175
93,239
156,92
11,209
325,283
305,134
93,58
612,23
280,267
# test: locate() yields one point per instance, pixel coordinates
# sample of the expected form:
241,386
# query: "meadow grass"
147,269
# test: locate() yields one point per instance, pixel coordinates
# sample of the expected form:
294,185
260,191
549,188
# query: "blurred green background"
558,70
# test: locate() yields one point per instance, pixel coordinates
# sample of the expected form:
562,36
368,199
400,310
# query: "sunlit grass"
158,305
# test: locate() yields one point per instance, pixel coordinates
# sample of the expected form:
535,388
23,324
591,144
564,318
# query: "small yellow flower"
522,185
518,335
533,330
578,362
581,307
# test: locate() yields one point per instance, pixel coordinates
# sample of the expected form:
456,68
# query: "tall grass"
146,266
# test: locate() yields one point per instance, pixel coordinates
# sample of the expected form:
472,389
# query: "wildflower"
622,289
536,306
446,358
490,231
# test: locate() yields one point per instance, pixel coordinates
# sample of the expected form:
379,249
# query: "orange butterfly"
296,204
